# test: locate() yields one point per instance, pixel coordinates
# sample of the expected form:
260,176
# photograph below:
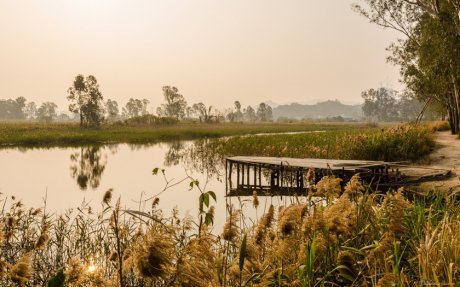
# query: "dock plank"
305,163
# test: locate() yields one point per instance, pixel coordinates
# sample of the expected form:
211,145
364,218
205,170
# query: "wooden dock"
286,176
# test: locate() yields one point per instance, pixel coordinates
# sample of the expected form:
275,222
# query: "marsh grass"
354,238
68,134
439,125
397,143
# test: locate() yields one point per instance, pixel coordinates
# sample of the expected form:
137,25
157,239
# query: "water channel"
65,177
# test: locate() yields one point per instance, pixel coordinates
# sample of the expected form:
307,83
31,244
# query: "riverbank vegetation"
144,131
393,143
354,238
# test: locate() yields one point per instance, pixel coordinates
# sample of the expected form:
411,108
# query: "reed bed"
68,134
327,238
397,143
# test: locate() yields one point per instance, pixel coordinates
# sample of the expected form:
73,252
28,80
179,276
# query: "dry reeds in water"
153,255
264,225
195,266
230,227
22,271
395,206
255,199
354,187
290,219
329,186
340,216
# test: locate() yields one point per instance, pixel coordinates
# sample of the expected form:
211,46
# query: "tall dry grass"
396,143
349,238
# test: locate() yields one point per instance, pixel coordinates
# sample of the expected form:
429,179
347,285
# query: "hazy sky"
214,51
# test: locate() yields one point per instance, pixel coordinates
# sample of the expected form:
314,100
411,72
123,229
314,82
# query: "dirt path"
446,156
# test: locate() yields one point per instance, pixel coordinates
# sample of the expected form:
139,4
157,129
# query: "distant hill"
317,111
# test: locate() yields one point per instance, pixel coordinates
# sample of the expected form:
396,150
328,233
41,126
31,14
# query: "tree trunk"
457,106
456,95
451,119
453,114
455,117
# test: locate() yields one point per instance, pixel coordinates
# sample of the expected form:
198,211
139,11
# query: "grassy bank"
37,134
349,239
390,144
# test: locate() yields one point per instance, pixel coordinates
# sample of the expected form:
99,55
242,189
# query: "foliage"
409,107
380,104
203,112
264,113
428,52
150,120
111,108
236,115
249,114
12,109
135,108
86,100
30,110
175,105
47,112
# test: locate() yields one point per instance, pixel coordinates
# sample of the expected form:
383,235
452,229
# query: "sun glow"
91,266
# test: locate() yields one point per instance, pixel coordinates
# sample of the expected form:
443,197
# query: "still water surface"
66,177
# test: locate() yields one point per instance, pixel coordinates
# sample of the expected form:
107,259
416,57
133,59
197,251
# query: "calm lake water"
66,177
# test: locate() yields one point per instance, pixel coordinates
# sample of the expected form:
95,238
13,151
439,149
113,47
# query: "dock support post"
237,175
242,174
249,167
260,176
230,174
255,176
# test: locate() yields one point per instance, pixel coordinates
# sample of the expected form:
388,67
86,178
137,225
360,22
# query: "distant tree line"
428,52
385,104
20,109
87,106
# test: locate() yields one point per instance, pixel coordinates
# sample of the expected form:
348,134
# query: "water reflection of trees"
196,156
87,166
202,157
175,153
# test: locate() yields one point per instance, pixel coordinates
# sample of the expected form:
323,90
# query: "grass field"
391,144
37,134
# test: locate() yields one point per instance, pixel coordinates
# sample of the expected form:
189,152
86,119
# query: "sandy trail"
446,156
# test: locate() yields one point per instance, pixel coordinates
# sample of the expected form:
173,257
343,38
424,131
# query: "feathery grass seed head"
108,196
255,199
22,271
329,186
354,186
154,255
